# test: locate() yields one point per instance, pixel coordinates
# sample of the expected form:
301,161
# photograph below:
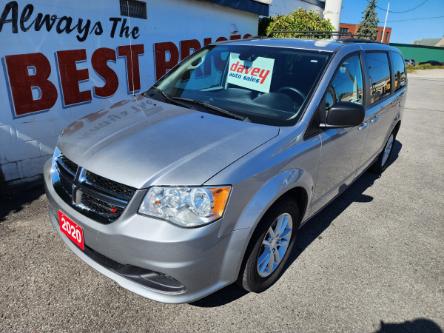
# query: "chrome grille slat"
67,165
95,196
116,189
104,197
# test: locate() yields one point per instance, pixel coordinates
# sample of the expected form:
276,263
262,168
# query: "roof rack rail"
358,40
346,37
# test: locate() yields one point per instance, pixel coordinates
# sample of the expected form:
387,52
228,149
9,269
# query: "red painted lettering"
22,82
99,62
132,63
188,47
164,64
70,76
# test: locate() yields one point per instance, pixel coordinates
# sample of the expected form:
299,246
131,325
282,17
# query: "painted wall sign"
62,60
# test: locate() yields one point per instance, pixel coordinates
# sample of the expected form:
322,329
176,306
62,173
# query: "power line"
406,10
418,18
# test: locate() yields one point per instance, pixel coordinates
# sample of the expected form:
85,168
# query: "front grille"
109,186
67,165
67,172
100,207
97,197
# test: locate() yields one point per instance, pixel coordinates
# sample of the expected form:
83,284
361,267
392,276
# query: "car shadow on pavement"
13,200
311,231
419,325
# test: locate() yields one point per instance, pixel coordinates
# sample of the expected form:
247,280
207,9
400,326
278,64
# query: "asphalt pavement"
372,261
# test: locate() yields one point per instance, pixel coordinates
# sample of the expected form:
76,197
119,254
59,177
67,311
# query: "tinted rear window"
398,68
378,70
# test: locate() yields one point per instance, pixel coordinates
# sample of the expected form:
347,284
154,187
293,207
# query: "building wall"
353,28
420,53
50,78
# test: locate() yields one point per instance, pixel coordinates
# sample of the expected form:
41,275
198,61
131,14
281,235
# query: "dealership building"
62,60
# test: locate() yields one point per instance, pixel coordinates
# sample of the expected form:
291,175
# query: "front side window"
398,67
260,84
346,85
378,70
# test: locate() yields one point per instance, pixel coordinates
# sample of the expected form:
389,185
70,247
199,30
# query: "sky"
415,22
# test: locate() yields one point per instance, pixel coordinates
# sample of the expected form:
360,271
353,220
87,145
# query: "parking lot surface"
372,261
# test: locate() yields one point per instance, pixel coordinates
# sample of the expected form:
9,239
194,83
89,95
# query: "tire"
250,277
383,158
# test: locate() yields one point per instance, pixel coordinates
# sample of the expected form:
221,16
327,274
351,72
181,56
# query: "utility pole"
385,22
332,11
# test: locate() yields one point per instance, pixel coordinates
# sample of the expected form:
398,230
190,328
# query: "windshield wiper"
166,97
211,107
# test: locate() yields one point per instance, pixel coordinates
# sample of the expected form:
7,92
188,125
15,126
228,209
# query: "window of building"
398,67
133,8
347,83
378,70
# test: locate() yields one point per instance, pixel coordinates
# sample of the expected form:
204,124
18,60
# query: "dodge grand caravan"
204,179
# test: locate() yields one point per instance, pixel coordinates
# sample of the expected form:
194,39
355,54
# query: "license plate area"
72,230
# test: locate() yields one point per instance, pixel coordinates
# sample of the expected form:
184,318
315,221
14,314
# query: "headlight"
186,206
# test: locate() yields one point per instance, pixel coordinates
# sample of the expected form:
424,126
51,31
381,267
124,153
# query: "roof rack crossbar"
346,37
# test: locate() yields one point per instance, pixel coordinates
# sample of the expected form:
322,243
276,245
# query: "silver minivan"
204,179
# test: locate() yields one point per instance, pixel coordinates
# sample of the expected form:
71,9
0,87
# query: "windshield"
259,84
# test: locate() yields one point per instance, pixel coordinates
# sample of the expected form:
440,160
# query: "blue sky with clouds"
408,23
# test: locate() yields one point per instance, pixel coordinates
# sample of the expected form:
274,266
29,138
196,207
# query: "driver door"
341,148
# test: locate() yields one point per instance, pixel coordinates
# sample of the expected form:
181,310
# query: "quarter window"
379,73
399,74
347,83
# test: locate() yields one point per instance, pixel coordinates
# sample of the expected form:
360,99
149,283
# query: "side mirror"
344,114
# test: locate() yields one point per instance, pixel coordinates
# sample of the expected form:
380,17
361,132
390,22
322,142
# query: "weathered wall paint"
64,59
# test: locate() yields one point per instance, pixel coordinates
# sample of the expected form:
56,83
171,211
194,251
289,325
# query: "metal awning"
259,7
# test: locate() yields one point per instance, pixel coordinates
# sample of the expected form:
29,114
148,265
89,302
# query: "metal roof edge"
259,7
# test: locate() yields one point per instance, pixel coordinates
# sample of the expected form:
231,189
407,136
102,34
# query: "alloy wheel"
274,245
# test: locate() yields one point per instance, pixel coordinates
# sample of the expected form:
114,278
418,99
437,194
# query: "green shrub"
298,21
411,68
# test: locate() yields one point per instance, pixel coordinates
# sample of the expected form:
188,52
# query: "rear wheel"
381,162
270,247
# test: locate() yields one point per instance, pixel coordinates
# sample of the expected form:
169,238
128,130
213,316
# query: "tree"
369,23
298,21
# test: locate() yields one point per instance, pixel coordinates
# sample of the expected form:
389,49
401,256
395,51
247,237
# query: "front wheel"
270,247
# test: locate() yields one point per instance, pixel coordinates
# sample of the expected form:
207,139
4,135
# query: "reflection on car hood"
141,142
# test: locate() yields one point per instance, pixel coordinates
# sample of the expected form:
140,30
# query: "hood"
142,142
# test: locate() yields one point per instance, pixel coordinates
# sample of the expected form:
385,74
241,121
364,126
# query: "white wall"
27,139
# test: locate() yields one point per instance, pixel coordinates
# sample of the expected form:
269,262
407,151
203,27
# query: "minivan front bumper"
199,259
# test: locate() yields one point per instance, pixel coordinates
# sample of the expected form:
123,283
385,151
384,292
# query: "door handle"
395,103
374,120
364,125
